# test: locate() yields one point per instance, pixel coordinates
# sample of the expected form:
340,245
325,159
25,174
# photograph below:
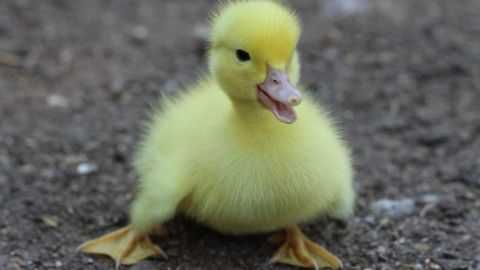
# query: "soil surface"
77,79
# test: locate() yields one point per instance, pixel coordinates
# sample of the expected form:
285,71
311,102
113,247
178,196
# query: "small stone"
418,267
381,250
201,32
50,221
66,56
116,87
74,159
88,260
4,161
383,223
422,248
370,219
469,195
139,33
86,168
10,59
117,84
57,101
393,208
27,169
405,80
170,87
430,198
344,8
400,241
47,173
3,180
120,153
58,264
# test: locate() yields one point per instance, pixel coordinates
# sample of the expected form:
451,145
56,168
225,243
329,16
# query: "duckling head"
253,55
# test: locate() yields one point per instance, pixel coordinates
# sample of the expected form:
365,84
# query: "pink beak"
278,95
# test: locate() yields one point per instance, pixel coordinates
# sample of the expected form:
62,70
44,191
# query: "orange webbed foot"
298,250
124,246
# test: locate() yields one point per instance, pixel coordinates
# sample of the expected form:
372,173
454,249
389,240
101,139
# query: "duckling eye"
242,55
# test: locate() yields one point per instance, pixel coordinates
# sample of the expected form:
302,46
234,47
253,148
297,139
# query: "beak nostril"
294,100
275,81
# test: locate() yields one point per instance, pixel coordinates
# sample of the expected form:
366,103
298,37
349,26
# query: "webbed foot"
298,250
125,246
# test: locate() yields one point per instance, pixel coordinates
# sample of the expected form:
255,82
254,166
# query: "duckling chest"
256,195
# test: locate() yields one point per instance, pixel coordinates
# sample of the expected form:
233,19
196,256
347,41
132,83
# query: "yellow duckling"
231,153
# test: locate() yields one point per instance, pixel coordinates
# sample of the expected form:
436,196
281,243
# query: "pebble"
422,248
201,32
139,33
51,221
393,208
430,198
3,180
10,59
47,173
381,250
4,259
66,56
87,260
57,101
117,84
170,87
86,168
418,267
27,169
4,161
344,8
116,87
370,219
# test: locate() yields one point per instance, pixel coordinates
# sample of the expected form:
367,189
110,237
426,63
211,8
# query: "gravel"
401,77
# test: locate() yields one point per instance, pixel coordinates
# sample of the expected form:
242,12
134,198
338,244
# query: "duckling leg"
125,246
298,250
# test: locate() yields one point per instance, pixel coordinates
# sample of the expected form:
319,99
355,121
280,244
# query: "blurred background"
77,79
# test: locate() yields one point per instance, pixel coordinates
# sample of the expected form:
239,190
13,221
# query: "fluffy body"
237,174
217,155
242,150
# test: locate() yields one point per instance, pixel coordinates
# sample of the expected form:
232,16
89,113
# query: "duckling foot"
125,246
298,250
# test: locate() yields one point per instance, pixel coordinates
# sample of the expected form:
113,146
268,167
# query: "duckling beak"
278,95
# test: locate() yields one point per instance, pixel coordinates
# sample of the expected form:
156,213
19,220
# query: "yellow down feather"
217,155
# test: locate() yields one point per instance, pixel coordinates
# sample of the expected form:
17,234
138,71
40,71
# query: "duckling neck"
252,115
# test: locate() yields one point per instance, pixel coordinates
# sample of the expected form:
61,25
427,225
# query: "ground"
77,79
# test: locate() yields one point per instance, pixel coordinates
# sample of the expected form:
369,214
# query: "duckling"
243,151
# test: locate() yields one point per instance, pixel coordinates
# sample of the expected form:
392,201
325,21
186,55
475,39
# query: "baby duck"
230,152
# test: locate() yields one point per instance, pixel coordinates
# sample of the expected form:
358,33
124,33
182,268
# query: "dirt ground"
77,79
